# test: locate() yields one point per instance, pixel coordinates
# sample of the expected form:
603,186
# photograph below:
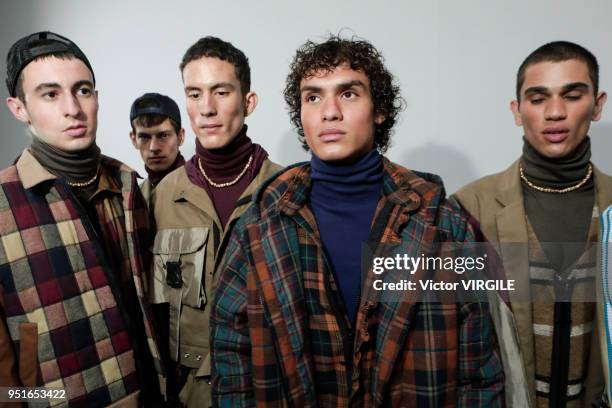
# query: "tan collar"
32,173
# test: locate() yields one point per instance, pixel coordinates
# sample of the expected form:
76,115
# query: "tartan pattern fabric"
51,274
580,278
276,339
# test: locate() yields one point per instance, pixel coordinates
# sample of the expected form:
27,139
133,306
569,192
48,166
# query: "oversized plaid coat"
277,341
62,322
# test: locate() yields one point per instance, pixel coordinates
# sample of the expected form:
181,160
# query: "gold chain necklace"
229,183
556,190
84,183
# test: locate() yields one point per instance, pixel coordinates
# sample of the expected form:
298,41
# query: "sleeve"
480,376
231,361
8,367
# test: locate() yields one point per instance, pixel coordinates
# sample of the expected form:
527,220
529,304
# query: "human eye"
193,94
222,92
536,99
349,94
312,98
84,91
50,95
573,96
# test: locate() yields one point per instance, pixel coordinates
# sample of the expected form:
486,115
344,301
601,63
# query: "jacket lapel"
512,236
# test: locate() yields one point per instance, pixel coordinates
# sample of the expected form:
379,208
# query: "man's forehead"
340,74
50,69
161,127
209,71
556,74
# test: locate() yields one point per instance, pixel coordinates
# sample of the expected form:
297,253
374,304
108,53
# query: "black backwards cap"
155,104
37,45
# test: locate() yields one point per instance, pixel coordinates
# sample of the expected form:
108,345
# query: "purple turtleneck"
224,165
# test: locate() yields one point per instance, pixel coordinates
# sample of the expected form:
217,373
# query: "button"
198,357
186,355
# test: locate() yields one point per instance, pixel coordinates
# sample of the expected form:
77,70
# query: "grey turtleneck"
560,221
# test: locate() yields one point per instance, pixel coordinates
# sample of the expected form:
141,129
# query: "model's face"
557,106
158,145
337,114
61,104
215,103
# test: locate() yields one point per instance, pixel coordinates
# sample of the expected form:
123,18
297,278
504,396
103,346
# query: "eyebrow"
81,83
341,86
566,88
46,85
216,85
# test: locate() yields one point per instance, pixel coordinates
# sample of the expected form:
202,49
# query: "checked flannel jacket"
278,340
63,322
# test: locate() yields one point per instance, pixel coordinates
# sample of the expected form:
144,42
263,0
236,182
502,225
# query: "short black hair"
360,55
217,48
559,51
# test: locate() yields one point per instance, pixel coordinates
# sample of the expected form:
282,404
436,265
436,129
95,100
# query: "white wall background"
455,60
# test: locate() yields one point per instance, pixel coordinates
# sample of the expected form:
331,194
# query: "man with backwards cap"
157,134
73,229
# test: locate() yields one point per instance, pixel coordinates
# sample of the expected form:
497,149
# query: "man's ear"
18,109
600,101
379,118
250,102
181,136
514,108
133,139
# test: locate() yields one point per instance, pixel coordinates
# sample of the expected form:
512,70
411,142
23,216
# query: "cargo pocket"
28,353
179,257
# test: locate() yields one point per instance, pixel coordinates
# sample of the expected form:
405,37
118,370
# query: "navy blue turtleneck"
344,199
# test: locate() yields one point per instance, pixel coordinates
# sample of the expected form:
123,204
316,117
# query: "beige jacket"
146,188
189,237
496,201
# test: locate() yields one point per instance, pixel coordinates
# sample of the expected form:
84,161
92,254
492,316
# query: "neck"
227,162
348,179
156,176
76,166
557,172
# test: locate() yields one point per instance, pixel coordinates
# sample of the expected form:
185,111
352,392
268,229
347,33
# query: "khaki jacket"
496,201
189,238
146,188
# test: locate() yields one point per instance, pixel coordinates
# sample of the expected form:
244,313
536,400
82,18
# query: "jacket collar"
32,173
290,190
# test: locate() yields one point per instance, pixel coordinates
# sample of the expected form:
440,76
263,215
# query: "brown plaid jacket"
60,302
277,340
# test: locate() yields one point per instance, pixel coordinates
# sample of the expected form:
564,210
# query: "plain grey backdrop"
456,63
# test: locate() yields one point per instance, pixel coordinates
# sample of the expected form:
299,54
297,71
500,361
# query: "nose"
208,106
331,110
155,144
72,106
555,109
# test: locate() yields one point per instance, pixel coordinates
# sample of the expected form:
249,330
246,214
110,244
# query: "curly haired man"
294,322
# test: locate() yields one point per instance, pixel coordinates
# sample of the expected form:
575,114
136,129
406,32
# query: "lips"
76,130
211,128
331,135
555,134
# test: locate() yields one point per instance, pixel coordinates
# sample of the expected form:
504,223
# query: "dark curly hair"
360,55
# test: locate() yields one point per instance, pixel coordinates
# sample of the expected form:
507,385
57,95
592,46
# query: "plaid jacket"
59,298
277,341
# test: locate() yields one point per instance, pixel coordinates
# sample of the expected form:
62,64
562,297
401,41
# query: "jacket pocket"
28,353
178,266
